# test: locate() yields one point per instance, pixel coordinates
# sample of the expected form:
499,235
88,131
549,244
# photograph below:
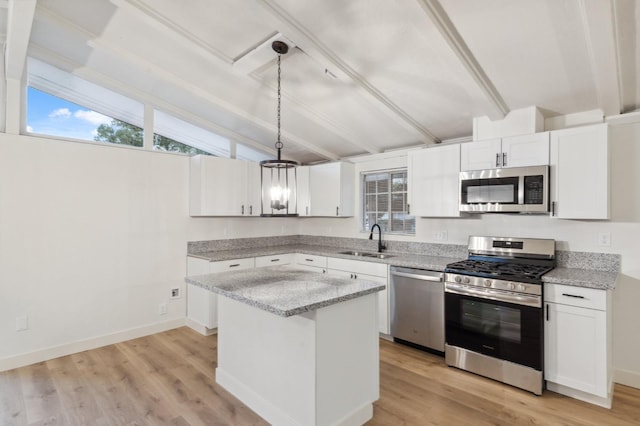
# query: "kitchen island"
297,347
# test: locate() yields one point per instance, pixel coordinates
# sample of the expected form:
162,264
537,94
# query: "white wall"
92,237
570,235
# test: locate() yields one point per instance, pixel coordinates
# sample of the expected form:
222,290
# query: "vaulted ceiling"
362,76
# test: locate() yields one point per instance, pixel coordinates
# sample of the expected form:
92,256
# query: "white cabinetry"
370,271
202,305
331,188
434,175
513,151
273,260
579,173
577,345
223,187
302,192
311,262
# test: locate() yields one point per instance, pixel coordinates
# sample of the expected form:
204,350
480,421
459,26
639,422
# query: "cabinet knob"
504,159
242,209
497,159
337,211
408,208
251,210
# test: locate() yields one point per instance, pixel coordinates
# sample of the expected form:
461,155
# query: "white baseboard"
583,396
29,358
202,329
627,378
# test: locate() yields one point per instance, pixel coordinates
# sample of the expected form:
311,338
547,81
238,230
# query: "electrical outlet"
440,236
604,239
162,309
22,323
175,293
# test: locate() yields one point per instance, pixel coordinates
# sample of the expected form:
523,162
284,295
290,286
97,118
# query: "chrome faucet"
381,245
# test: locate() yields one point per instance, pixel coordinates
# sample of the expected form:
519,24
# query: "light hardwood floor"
168,378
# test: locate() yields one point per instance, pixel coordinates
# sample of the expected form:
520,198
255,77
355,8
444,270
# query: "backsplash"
565,259
592,261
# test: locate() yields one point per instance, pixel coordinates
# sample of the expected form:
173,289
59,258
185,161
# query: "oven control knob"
458,278
466,280
511,286
522,287
487,283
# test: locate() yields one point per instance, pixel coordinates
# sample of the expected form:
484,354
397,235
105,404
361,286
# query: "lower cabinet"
370,271
311,262
578,343
202,305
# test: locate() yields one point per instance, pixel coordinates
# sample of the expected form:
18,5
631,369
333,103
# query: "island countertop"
284,290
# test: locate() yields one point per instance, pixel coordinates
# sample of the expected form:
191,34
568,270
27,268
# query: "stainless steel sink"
378,255
353,253
366,254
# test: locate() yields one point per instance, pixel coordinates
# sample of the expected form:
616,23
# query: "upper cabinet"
434,181
579,173
302,191
513,151
331,189
223,187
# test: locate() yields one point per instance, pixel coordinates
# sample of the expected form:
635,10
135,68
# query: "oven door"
502,329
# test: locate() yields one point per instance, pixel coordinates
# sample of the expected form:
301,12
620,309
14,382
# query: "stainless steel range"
493,309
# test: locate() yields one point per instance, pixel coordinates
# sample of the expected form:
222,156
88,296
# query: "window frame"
363,202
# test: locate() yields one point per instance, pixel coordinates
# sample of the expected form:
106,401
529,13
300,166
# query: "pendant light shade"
278,178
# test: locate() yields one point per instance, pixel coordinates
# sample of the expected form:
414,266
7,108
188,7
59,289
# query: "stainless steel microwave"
509,190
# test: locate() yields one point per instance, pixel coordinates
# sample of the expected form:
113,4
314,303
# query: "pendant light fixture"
278,177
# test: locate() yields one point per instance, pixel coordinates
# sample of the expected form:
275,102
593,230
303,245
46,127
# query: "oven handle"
492,294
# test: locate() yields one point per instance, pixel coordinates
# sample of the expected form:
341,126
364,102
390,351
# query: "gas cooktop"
523,260
500,270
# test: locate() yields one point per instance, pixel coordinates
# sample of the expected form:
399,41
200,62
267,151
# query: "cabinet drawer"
276,259
358,266
311,260
576,296
232,265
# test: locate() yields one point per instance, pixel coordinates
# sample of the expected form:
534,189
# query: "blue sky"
53,116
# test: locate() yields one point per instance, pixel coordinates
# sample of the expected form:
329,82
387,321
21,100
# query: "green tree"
119,132
128,134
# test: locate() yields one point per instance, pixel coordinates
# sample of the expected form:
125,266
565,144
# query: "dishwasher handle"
433,278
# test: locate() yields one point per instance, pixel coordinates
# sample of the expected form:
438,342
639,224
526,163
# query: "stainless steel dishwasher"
417,307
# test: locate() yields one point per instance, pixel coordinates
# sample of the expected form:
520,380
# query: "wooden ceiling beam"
19,22
188,86
316,49
450,34
599,24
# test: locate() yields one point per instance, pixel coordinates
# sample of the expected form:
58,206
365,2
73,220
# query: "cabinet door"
302,191
202,305
331,188
383,296
576,348
434,174
480,155
252,189
197,266
579,173
525,150
217,186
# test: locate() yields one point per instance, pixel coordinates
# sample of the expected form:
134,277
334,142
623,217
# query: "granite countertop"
284,290
602,280
576,276
435,263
